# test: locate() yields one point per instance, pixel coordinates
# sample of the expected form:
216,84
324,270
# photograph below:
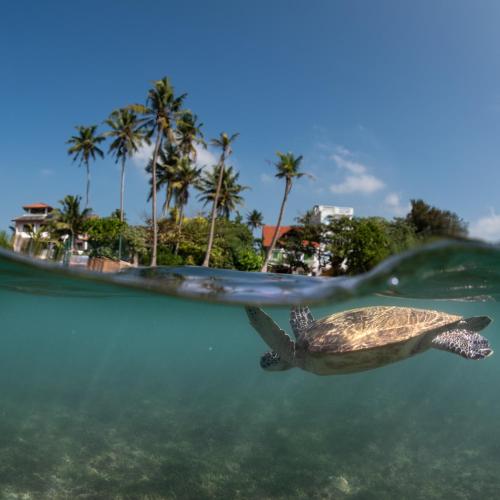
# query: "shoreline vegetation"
221,238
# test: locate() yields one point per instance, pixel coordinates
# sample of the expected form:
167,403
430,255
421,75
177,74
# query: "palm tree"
288,168
187,175
159,114
85,147
69,219
189,134
229,192
128,138
166,167
255,220
223,142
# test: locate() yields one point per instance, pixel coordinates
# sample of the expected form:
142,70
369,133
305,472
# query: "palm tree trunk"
122,188
153,200
206,261
87,195
122,192
168,199
288,187
179,228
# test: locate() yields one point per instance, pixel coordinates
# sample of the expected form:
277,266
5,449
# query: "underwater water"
147,385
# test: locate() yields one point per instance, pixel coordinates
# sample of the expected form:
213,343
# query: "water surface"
128,387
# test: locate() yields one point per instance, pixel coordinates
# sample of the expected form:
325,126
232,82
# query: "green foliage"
103,234
401,235
126,133
228,197
5,240
135,242
248,260
432,222
255,219
232,248
70,219
103,237
167,258
360,244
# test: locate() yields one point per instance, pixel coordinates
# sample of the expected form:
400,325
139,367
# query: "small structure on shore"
32,222
313,261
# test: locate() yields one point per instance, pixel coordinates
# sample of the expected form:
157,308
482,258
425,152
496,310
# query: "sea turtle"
365,338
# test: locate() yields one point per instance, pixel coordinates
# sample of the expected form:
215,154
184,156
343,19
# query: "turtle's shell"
371,328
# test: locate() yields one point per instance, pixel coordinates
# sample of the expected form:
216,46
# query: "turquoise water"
120,389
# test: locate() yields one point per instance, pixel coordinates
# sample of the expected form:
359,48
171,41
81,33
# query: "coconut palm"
229,190
70,218
187,176
84,147
168,159
128,137
224,142
288,168
189,134
255,220
160,112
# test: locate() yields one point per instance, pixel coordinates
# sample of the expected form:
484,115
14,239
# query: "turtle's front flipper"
464,340
272,334
301,319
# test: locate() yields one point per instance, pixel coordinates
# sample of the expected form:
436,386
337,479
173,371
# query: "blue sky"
386,100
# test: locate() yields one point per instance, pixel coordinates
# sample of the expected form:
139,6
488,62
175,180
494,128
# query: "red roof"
37,205
268,233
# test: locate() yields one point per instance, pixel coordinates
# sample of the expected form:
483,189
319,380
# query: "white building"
322,213
31,222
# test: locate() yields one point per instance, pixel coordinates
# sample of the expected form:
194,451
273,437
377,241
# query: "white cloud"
47,171
364,184
341,150
352,166
393,203
141,158
358,180
205,157
486,228
265,178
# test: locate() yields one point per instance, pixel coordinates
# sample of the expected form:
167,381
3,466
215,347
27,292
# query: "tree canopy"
430,221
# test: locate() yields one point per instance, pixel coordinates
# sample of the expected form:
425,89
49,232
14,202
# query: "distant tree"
255,219
232,247
430,221
103,236
401,235
5,240
314,236
357,245
127,137
166,169
224,142
70,219
84,147
288,168
228,188
188,134
187,176
160,113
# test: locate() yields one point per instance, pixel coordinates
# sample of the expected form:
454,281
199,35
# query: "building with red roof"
33,220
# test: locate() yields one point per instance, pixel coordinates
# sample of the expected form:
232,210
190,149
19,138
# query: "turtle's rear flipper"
463,339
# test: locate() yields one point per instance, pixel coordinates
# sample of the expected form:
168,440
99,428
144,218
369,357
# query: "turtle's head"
272,362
